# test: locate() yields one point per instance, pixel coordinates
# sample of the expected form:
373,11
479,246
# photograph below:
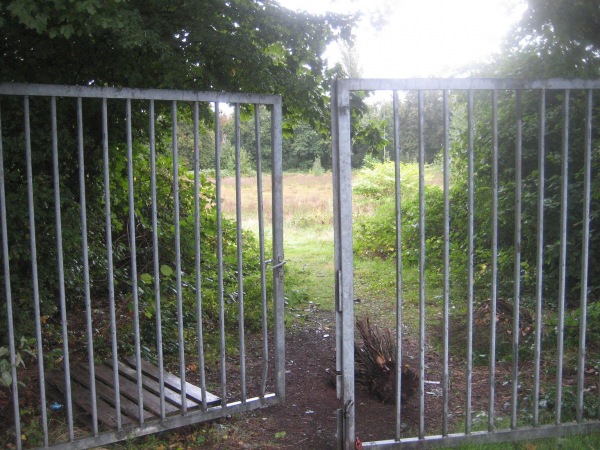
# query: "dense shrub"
47,262
376,231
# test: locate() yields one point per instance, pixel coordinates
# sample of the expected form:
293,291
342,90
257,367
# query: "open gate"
545,154
131,297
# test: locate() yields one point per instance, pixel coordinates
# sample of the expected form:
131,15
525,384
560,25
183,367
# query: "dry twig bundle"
375,359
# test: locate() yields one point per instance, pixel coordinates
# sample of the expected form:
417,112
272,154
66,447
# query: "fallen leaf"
280,434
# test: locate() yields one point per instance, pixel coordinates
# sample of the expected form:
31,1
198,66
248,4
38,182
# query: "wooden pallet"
128,392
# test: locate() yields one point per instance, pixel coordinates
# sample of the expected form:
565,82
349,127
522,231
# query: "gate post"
344,269
278,257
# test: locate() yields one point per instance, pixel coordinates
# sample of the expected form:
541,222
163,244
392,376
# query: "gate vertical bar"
539,258
563,257
38,325
517,263
9,305
132,246
109,259
240,265
398,194
446,294
178,268
198,258
86,268
277,225
335,168
261,241
494,263
421,267
585,242
344,264
220,255
61,273
470,226
155,261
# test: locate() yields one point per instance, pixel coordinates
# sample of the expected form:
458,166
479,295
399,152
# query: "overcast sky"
421,38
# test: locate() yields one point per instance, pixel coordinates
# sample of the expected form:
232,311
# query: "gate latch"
281,263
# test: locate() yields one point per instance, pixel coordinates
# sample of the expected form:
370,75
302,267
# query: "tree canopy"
576,22
555,38
235,45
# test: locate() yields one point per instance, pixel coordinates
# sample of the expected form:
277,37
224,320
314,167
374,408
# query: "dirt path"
307,419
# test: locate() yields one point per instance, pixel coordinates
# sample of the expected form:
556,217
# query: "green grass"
310,267
579,442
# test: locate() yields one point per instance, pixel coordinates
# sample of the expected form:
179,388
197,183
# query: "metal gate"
552,124
130,291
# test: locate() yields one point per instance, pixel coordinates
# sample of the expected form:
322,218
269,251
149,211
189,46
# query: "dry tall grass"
307,200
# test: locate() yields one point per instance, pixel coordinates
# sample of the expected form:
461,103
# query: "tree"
554,39
305,147
576,22
376,133
237,45
546,43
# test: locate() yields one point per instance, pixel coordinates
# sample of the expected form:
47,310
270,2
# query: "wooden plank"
174,382
130,390
81,398
107,393
153,386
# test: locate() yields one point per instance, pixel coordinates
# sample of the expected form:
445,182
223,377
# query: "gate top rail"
375,84
134,94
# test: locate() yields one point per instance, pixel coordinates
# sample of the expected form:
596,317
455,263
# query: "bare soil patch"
307,419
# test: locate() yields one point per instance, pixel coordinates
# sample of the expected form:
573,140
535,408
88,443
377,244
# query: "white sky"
422,37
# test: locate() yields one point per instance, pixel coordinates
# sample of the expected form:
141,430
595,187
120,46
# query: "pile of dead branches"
376,368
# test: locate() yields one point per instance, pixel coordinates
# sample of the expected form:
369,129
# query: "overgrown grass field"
308,231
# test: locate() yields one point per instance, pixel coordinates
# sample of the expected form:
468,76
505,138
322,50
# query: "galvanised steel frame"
344,266
272,361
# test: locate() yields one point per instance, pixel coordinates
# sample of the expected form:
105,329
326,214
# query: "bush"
20,256
376,232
